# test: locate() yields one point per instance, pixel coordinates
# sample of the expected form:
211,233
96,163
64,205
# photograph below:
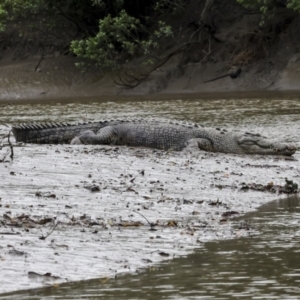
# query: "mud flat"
71,213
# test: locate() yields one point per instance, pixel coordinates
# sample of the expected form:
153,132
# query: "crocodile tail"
17,134
50,133
32,133
21,133
45,133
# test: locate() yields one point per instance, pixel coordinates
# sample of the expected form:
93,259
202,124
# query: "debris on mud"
45,195
46,276
16,252
23,221
230,213
289,188
138,206
131,224
93,188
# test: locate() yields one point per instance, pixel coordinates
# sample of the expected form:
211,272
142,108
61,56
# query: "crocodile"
153,133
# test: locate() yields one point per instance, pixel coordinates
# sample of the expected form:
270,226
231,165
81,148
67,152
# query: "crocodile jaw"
271,149
256,144
246,144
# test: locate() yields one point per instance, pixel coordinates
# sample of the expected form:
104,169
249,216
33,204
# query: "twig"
3,137
133,82
208,54
152,225
43,52
207,6
11,147
44,237
4,156
198,30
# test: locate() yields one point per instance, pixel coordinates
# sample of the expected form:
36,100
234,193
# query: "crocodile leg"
106,135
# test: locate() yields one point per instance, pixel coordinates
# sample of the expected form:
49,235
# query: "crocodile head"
246,143
257,144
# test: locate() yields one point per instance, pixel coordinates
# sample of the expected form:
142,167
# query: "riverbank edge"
59,78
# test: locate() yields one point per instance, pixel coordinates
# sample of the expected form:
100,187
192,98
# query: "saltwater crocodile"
154,133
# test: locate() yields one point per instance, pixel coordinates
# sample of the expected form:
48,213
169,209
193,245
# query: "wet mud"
75,213
71,213
263,265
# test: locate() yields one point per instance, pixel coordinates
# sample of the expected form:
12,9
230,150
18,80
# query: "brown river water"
263,264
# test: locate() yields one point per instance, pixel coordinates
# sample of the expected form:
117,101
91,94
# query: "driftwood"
234,74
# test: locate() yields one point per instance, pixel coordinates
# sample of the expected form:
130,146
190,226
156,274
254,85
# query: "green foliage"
262,5
114,31
3,16
118,41
266,6
121,36
169,7
83,13
294,4
17,9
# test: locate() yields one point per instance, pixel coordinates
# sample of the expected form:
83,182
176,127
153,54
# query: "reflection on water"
265,266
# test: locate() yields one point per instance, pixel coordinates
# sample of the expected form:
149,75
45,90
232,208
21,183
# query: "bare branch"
43,52
131,81
152,225
11,147
11,151
44,237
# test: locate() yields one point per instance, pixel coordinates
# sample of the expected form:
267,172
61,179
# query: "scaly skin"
152,133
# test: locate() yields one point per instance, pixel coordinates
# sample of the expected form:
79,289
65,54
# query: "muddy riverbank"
95,200
58,77
74,213
261,266
206,44
69,213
